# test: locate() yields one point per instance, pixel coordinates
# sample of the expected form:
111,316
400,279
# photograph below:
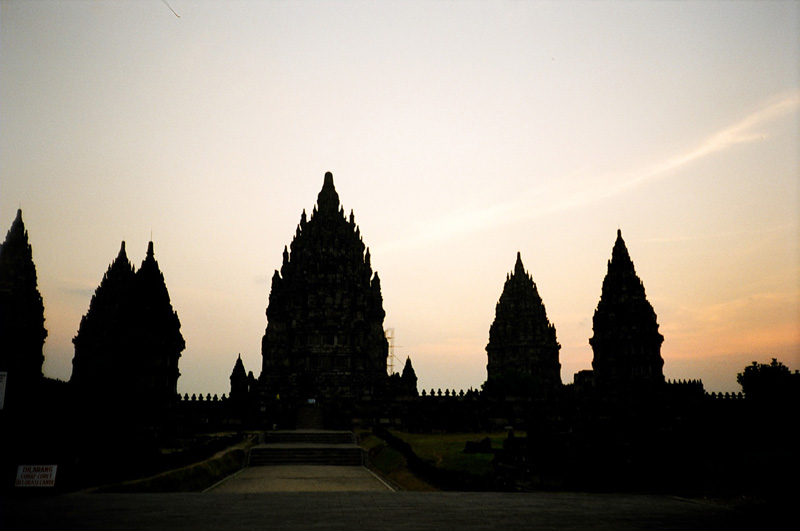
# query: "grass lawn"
193,477
446,451
391,464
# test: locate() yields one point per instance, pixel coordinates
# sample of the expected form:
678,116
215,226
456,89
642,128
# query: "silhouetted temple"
129,341
22,311
100,345
408,378
159,343
324,336
324,363
626,340
239,384
522,351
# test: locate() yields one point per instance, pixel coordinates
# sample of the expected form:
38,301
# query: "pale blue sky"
458,132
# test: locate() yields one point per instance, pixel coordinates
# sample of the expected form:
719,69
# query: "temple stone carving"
324,335
522,351
626,340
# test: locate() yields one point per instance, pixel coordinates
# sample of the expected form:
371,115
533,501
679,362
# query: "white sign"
36,476
3,378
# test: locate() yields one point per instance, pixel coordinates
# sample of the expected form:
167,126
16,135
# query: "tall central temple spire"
324,336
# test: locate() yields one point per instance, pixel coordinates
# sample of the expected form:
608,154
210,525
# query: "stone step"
297,454
309,437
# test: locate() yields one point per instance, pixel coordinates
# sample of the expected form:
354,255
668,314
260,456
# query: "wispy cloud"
738,234
562,194
742,132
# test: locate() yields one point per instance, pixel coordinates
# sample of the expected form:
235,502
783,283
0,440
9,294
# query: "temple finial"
518,267
620,251
328,199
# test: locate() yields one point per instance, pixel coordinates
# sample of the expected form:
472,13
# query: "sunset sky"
459,133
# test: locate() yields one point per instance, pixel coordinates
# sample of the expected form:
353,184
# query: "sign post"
36,476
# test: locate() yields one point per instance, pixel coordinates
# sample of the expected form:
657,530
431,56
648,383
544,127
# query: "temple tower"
626,340
324,336
22,313
523,350
129,341
159,342
408,378
100,347
240,386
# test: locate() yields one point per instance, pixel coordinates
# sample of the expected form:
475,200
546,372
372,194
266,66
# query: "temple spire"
21,311
324,335
238,369
328,198
625,341
620,255
122,256
523,350
129,341
519,269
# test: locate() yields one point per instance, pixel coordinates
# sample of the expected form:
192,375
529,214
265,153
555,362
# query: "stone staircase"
310,437
307,447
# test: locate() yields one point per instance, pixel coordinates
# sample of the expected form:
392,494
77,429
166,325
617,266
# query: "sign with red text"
36,476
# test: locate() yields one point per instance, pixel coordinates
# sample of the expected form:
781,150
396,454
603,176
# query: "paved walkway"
301,478
385,511
294,498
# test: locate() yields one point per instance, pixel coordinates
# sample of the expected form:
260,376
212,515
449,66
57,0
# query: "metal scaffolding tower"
390,360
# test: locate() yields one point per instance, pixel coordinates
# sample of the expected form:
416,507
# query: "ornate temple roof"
522,341
21,306
626,340
238,369
520,312
154,308
325,312
107,313
623,309
129,340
